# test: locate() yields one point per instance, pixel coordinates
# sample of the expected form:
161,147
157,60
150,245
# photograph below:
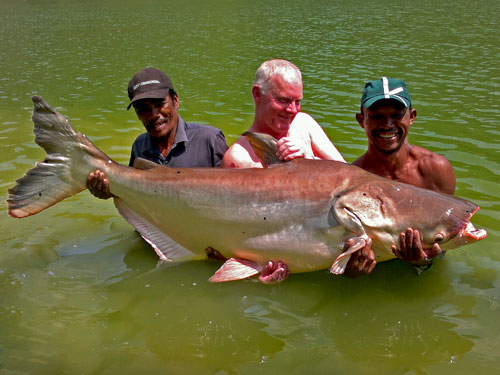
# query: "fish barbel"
301,212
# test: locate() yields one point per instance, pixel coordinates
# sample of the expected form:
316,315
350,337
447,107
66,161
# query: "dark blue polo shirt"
195,145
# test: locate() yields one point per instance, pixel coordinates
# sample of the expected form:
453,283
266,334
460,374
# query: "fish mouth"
470,230
469,233
475,234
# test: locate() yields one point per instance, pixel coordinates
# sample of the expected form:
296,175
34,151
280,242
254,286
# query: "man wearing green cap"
386,116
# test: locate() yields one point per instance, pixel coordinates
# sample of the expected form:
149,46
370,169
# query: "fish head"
383,209
462,234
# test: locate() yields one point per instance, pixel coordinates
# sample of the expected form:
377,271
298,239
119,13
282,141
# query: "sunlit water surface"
80,292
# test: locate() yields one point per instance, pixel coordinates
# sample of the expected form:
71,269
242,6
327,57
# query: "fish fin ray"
141,163
166,248
235,269
264,147
340,263
43,186
57,176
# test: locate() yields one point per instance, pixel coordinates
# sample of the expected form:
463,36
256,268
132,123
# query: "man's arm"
219,147
307,139
438,173
241,155
321,145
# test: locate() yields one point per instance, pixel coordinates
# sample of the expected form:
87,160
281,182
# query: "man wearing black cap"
386,116
168,140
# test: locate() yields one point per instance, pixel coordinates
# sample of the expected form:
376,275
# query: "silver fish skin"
301,212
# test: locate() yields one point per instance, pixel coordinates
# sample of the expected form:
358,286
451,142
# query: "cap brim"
153,94
368,103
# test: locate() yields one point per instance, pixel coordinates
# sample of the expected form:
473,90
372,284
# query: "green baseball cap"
385,88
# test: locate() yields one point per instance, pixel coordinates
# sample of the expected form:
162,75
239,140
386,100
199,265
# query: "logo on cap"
381,89
145,83
148,83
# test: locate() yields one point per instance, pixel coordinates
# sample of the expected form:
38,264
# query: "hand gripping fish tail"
292,217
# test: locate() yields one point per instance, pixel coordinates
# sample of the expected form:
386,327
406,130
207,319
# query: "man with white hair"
277,92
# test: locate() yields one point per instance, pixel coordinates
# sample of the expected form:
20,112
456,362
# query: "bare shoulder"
304,120
435,169
429,160
312,133
241,155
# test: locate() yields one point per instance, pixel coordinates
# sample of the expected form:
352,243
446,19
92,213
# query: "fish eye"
439,237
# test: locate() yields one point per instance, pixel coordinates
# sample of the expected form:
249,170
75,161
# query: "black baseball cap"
149,83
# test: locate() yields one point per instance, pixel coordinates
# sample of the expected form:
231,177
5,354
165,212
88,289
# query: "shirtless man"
386,116
277,92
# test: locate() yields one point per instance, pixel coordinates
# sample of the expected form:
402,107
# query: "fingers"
274,272
434,251
410,248
362,262
98,185
287,150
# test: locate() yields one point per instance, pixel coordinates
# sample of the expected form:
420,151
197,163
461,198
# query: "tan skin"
390,155
160,119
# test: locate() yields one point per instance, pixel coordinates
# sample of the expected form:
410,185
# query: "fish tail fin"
264,147
63,173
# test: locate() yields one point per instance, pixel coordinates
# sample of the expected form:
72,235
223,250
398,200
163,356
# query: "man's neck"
166,142
387,164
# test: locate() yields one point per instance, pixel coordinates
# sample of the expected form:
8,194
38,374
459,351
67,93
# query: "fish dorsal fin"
264,147
236,269
165,247
141,163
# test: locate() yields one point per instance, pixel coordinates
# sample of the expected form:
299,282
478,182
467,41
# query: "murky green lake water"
80,293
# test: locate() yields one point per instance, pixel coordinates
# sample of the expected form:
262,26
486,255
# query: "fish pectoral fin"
166,248
235,269
340,263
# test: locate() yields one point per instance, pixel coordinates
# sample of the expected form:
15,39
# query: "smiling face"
386,123
159,116
276,108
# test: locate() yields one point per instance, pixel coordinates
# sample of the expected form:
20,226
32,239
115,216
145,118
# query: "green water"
80,293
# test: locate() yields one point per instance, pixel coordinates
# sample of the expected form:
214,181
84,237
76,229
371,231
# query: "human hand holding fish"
289,150
362,262
274,272
98,185
410,249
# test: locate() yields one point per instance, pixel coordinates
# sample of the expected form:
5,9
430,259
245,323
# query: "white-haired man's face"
278,106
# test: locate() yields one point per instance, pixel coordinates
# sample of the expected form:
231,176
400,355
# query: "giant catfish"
301,212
